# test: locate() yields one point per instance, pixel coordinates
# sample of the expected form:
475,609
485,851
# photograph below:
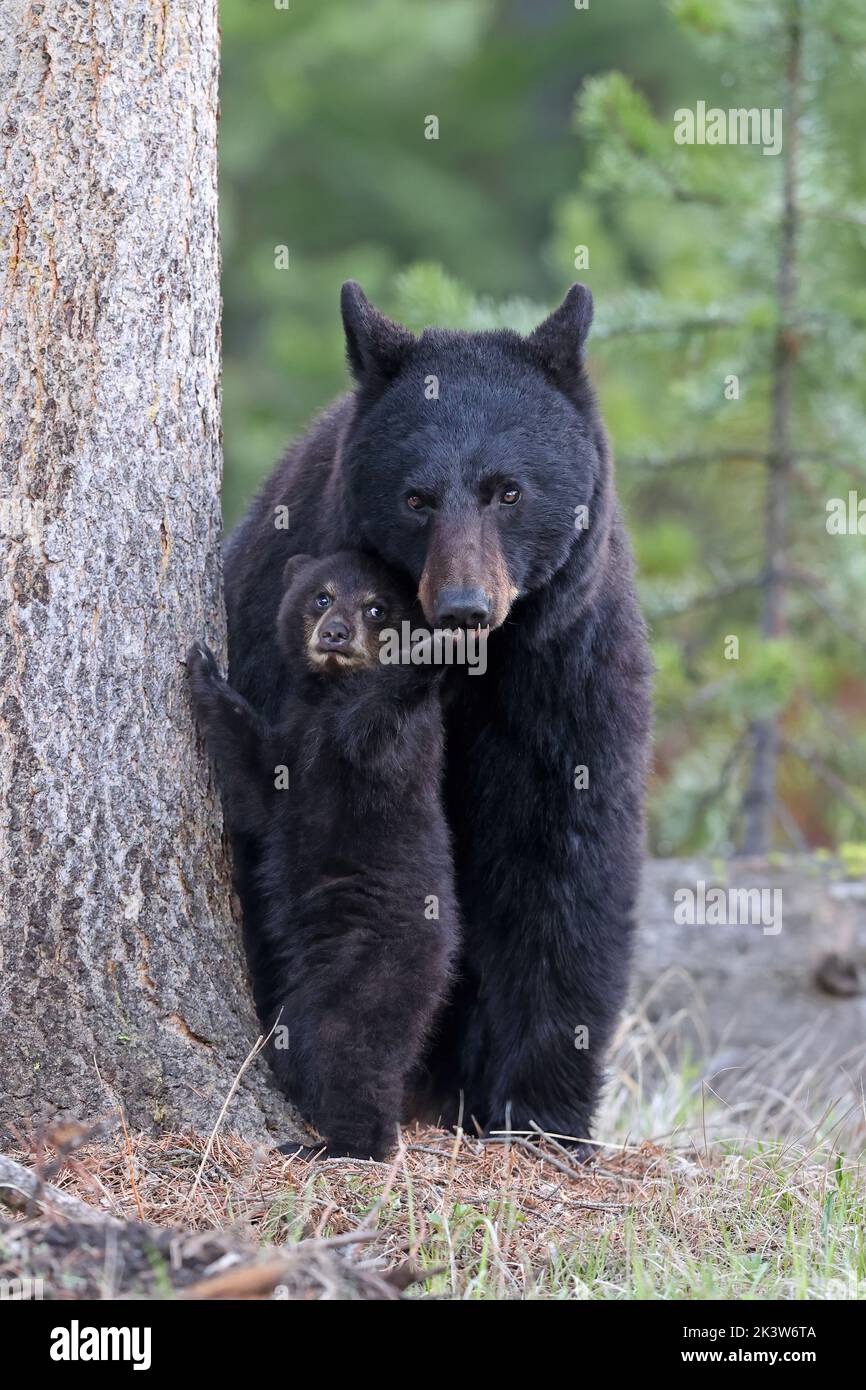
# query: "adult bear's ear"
374,344
560,341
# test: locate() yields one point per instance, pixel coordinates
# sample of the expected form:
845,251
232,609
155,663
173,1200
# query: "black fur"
349,954
547,874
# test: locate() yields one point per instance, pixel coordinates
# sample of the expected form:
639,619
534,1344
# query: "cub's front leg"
238,741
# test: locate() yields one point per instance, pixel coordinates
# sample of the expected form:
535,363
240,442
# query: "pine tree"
783,233
729,375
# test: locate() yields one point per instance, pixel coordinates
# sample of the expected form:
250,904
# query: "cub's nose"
462,608
333,635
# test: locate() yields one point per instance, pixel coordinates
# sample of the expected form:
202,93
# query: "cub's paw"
202,665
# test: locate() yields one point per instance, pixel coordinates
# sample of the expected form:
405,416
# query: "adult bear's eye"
510,495
323,601
415,501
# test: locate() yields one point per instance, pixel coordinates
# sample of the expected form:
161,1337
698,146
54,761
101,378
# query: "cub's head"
334,608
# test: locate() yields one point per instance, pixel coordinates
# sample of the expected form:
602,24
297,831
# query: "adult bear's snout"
456,608
465,582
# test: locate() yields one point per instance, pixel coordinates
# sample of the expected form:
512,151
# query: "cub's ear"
293,567
560,341
374,344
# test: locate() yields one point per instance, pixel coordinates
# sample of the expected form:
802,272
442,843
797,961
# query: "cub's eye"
510,495
324,601
375,611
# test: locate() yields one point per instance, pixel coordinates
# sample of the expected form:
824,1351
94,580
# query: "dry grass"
475,1220
705,1210
443,1199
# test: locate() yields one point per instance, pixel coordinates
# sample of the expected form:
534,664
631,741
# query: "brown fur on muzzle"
467,556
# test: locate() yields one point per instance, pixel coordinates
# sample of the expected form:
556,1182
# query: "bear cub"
351,955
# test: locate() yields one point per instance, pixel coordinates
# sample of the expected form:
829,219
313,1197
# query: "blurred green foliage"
555,131
323,151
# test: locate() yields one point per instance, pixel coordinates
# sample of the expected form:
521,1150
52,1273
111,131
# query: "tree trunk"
122,981
760,800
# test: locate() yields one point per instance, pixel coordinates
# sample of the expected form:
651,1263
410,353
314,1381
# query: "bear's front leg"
237,740
545,797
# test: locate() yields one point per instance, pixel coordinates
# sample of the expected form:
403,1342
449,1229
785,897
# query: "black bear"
477,465
350,957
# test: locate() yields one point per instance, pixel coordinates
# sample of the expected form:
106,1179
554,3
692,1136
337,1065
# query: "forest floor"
451,1218
699,1211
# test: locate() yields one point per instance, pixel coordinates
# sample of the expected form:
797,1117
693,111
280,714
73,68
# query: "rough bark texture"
122,979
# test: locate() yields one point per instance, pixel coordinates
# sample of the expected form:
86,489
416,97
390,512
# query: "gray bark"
122,981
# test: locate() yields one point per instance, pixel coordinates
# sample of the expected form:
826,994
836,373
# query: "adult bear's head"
470,454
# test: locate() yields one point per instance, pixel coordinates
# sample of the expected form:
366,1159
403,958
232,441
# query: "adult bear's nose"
333,635
462,608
